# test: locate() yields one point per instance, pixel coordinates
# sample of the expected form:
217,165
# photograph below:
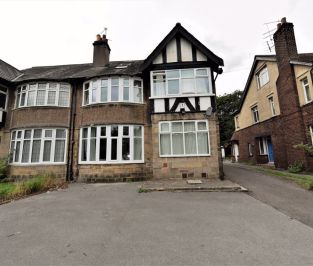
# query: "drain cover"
194,182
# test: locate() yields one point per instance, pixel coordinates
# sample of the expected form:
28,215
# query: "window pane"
3,98
64,98
23,99
103,131
36,151
137,91
92,154
201,72
52,86
202,126
31,98
137,131
93,132
114,131
60,133
187,73
17,151
159,88
125,149
165,144
64,87
177,127
203,145
94,92
126,93
40,97
104,83
37,133
202,85
188,85
27,134
85,132
178,145
125,131
104,94
138,149
103,149
47,150
190,143
42,86
59,150
48,133
84,150
18,96
173,86
165,127
51,97
26,150
189,126
11,151
172,74
114,89
86,93
114,149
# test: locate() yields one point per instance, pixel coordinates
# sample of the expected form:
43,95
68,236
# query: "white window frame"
260,74
306,86
42,139
207,130
96,83
272,105
263,146
255,110
109,138
311,133
25,89
180,78
250,149
6,98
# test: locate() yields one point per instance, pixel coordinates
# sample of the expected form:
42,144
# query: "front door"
270,150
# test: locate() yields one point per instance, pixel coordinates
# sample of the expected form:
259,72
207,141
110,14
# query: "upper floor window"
114,89
311,134
3,98
306,88
255,114
262,77
43,94
237,121
272,105
38,146
181,82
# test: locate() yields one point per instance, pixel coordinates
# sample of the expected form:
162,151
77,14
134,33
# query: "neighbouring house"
276,111
115,120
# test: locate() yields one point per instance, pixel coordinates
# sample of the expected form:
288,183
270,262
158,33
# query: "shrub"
306,147
296,167
3,167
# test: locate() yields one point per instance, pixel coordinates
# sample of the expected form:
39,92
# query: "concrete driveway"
112,224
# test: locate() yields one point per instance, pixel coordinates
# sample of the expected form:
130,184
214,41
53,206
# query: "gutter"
70,145
301,63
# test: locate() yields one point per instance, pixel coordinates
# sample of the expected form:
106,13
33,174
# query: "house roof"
302,59
180,30
63,72
8,72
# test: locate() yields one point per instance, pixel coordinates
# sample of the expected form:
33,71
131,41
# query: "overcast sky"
36,33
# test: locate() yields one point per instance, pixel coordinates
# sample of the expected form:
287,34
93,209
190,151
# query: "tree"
227,104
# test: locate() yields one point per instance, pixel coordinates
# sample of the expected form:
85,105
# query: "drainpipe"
70,145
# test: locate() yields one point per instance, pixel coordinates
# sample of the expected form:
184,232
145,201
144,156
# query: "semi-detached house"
115,120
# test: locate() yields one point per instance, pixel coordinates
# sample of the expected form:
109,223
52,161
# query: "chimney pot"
283,20
98,37
278,25
104,37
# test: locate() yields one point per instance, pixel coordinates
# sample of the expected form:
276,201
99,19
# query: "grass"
303,180
29,186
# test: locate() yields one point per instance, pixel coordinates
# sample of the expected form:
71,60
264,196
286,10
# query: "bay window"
181,82
111,144
43,94
184,138
113,89
38,146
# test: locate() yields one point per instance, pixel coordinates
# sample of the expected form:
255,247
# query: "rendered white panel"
205,103
159,106
201,56
171,51
192,101
186,50
1,116
158,60
171,102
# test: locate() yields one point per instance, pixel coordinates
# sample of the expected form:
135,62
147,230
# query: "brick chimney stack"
285,42
101,51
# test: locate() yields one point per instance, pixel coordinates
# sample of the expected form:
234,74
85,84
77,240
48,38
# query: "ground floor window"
184,138
111,144
263,146
250,149
38,146
311,134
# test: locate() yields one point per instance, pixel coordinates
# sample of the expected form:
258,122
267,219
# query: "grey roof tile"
7,71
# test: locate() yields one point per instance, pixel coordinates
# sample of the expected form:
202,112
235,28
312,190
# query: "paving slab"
178,184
